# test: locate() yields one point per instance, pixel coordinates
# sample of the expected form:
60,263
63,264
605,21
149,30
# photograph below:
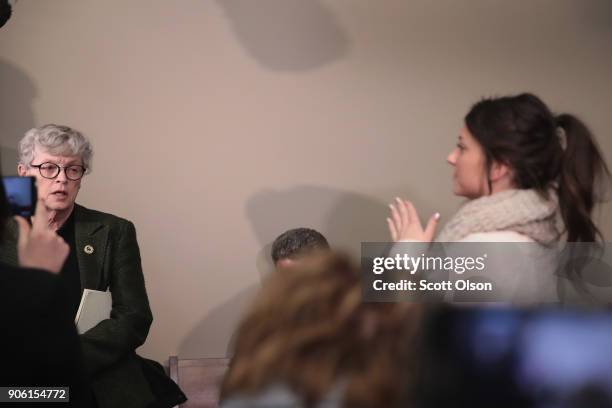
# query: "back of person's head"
297,242
544,151
309,330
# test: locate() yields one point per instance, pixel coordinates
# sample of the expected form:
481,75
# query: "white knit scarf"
523,211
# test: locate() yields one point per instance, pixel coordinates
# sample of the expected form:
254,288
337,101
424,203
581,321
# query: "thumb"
24,231
432,224
40,219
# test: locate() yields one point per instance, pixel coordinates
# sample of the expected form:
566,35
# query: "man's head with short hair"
297,242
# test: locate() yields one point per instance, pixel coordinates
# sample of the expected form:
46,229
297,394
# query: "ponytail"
583,173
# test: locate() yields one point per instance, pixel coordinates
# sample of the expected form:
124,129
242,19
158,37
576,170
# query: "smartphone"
21,194
539,358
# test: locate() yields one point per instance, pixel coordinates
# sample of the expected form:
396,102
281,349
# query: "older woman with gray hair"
104,255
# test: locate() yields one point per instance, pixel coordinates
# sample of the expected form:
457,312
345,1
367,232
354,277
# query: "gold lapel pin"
88,249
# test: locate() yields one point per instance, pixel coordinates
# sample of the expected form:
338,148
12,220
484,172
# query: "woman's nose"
452,157
61,177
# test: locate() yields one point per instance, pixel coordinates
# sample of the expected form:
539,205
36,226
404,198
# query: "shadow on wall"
346,218
263,261
287,35
8,158
16,113
595,13
221,319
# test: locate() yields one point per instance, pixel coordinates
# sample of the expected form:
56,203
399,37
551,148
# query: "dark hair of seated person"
296,242
309,330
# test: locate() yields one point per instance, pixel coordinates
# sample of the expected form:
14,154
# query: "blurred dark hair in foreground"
309,331
309,340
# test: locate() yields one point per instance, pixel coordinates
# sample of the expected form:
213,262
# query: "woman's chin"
465,194
458,191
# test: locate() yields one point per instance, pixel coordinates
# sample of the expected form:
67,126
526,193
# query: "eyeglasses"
52,170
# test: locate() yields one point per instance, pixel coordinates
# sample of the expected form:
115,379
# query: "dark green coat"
115,370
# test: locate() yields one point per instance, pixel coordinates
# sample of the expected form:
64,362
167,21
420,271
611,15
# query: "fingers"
40,220
432,224
63,247
61,250
392,230
399,214
405,215
396,218
404,223
412,212
24,231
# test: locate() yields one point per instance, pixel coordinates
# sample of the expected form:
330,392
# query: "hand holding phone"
39,246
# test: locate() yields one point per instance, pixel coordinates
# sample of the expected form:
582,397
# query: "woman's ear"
21,170
500,171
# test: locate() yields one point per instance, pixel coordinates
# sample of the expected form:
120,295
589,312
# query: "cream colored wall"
219,124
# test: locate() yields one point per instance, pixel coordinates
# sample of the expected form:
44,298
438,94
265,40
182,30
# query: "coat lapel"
90,236
8,244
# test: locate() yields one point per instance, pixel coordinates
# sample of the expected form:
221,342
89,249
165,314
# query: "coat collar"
8,244
90,237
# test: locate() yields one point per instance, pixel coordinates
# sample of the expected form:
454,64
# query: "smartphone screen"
548,358
20,194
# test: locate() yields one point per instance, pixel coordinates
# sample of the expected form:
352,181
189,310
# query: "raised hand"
404,223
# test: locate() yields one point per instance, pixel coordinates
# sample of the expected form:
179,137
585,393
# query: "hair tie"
562,137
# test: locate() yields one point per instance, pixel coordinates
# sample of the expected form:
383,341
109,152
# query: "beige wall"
219,124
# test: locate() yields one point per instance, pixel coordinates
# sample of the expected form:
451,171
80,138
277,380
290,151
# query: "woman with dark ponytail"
583,167
529,176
